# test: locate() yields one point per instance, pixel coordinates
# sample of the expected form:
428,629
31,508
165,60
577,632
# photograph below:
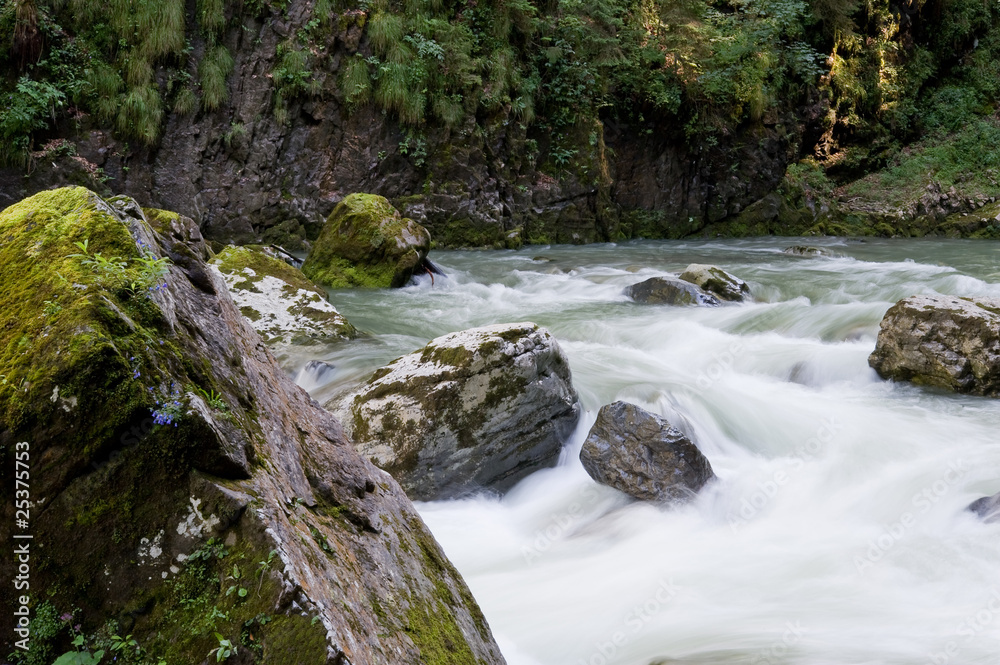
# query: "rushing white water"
835,532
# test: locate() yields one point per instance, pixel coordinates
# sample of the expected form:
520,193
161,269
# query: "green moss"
87,344
431,623
160,220
366,243
456,356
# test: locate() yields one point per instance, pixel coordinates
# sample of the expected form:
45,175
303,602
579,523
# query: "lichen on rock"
942,341
183,485
480,408
366,243
280,302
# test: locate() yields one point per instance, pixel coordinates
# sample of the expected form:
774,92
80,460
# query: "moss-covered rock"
477,408
366,243
182,485
717,281
281,304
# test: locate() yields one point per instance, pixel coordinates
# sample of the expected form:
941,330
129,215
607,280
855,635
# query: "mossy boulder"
643,455
717,281
669,291
181,484
480,408
942,341
278,300
365,242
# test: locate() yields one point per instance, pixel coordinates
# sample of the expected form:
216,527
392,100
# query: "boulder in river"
643,455
717,281
987,508
175,467
808,250
280,303
942,341
480,408
669,291
365,242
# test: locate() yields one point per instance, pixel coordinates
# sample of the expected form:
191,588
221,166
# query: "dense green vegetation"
879,74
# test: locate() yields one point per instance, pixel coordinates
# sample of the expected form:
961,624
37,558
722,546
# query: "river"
835,532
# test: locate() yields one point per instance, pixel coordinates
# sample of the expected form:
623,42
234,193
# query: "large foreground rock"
365,242
478,408
244,512
941,341
669,291
642,455
717,281
281,304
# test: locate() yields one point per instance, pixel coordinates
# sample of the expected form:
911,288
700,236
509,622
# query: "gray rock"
478,408
987,508
669,291
642,455
808,250
717,281
941,341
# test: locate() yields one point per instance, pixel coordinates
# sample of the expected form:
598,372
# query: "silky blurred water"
835,532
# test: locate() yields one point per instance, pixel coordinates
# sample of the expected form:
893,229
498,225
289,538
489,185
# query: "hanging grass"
449,110
394,93
211,16
356,83
106,86
385,31
140,114
213,70
186,102
138,71
161,25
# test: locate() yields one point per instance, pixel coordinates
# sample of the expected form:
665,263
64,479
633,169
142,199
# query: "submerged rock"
986,508
669,291
365,242
477,408
941,341
175,467
280,303
643,455
717,281
808,250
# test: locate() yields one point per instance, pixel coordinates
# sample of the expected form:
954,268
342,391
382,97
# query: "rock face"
669,291
175,468
987,508
280,303
642,455
365,242
295,157
717,281
941,341
478,408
